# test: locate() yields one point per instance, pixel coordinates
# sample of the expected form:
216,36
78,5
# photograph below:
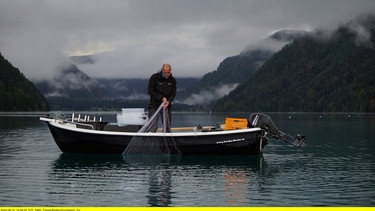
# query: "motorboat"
236,136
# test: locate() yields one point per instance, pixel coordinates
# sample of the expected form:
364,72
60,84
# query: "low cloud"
207,96
133,38
34,58
360,28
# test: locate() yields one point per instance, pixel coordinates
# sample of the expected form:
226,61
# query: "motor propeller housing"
265,122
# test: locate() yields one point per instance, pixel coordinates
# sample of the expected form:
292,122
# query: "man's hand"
165,101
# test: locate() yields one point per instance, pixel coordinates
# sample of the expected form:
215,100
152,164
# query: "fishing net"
154,144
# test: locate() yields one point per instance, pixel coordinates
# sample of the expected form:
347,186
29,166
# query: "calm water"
337,169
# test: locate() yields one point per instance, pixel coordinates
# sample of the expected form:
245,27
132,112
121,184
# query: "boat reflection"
237,184
242,175
151,159
154,180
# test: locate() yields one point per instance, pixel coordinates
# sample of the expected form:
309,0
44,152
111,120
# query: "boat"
238,136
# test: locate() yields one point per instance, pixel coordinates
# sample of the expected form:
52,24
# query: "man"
162,88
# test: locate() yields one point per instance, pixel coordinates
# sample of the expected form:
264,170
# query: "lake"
336,169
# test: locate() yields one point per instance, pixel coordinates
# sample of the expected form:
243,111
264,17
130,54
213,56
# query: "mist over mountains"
136,89
291,70
70,82
320,72
234,70
72,86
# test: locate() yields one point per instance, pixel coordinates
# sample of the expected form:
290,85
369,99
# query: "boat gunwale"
69,126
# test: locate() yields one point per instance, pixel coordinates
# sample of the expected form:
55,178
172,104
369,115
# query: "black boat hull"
237,142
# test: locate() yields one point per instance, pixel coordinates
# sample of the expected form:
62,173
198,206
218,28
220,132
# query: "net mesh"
153,144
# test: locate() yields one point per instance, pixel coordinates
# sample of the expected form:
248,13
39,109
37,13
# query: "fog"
133,38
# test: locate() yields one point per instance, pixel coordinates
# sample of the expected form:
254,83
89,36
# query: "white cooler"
132,116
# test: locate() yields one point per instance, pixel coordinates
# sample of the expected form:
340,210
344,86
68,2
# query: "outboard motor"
265,122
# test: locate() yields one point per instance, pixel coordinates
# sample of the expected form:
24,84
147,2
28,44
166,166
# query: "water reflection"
238,177
236,186
336,169
151,159
159,191
154,180
160,175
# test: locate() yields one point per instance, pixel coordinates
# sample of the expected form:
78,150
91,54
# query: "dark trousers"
154,127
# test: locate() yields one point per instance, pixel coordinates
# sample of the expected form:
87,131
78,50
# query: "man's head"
166,70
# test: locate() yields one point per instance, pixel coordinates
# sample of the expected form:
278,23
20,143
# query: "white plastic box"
132,116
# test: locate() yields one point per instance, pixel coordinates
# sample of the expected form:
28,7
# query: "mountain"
136,88
71,87
212,86
125,88
318,72
17,93
237,69
70,82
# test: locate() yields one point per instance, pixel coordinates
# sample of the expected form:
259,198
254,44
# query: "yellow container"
235,123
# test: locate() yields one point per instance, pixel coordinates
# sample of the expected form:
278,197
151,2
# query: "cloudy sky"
134,37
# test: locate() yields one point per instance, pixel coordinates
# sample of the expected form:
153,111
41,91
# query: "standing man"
161,88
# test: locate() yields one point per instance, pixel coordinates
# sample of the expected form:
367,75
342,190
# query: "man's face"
166,71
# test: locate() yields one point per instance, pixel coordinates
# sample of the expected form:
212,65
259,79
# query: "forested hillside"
17,93
236,69
317,72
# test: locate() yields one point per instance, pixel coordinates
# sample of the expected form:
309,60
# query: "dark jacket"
159,87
